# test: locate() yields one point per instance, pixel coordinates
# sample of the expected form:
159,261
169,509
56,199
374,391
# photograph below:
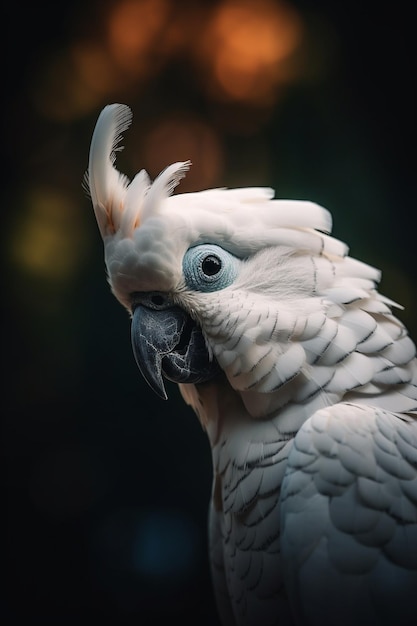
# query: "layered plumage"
303,378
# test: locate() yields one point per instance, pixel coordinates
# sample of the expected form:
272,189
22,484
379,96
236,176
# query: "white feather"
107,186
163,186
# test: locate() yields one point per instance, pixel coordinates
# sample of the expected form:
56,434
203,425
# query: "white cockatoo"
301,375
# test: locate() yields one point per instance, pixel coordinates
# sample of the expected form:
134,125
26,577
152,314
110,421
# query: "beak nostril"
155,300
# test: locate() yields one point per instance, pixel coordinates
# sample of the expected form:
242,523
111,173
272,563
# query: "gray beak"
168,343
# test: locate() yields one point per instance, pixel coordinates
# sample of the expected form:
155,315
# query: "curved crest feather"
106,185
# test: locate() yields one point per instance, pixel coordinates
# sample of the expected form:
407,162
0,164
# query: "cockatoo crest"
146,230
118,204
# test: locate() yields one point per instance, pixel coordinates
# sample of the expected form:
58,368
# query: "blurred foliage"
314,99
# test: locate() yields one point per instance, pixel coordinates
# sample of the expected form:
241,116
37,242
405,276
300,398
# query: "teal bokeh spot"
166,545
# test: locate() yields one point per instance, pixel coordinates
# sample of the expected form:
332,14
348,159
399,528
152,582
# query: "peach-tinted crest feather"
107,186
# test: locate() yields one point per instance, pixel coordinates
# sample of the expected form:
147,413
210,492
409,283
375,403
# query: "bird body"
301,375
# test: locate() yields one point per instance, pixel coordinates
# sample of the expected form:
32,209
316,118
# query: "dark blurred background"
106,486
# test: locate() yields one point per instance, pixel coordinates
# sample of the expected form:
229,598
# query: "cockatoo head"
224,282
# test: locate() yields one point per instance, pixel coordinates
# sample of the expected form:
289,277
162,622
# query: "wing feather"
362,520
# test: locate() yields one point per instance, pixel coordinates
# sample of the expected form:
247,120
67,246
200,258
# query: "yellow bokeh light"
49,240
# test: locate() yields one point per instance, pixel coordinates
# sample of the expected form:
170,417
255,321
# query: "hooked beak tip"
161,392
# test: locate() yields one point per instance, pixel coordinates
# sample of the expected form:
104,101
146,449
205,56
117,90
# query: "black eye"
211,265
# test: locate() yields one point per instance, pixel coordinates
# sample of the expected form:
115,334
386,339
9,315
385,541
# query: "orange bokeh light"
245,47
95,68
182,137
238,53
133,27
